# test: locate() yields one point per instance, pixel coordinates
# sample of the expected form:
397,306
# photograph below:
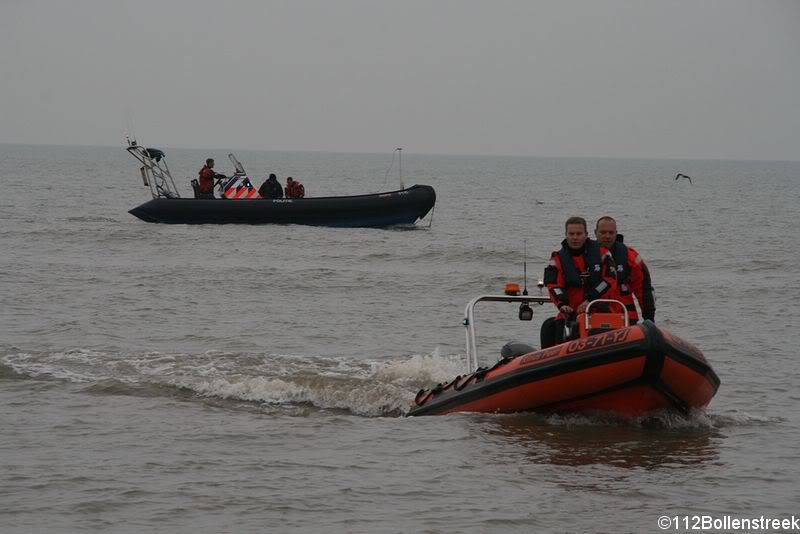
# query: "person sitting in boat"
580,272
271,188
633,275
294,189
207,178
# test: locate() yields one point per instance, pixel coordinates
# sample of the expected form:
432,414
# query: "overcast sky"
608,78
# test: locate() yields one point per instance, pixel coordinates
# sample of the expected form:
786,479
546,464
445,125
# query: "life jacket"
588,276
620,253
206,179
295,190
625,258
592,261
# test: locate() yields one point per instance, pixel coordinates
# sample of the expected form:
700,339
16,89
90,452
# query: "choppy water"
250,379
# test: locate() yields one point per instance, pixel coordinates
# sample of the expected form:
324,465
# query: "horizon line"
506,155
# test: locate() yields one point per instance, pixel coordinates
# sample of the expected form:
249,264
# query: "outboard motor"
512,349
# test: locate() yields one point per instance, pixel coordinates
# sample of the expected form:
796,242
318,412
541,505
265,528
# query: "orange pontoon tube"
627,370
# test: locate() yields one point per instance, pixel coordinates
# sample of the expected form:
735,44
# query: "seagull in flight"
684,176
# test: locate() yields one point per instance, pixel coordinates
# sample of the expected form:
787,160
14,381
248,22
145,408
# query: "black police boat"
241,204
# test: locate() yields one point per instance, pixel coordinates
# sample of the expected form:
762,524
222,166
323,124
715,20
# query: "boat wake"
285,383
665,420
295,385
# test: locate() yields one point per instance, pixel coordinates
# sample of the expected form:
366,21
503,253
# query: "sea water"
159,378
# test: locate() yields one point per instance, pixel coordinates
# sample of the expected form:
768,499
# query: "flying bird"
684,176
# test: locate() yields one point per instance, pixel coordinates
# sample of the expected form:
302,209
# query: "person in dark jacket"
271,188
633,275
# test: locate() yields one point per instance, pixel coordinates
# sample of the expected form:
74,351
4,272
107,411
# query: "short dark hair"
209,160
604,218
576,220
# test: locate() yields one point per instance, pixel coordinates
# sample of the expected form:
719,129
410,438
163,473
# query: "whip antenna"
399,152
400,164
525,310
525,267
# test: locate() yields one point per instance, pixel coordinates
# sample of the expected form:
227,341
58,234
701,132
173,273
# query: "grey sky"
696,79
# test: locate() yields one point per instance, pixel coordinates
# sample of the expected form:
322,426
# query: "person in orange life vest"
207,177
580,272
294,189
633,275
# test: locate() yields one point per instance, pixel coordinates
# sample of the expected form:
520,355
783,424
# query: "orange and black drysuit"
633,278
575,275
588,273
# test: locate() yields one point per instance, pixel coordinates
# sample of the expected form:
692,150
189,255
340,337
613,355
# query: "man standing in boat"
207,177
633,276
580,272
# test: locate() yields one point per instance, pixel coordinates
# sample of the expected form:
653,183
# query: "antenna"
525,310
525,267
400,159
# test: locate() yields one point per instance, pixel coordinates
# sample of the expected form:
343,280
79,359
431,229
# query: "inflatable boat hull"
381,209
630,372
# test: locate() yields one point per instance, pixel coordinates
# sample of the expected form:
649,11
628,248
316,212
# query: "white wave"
251,389
371,388
421,368
361,397
668,420
697,419
71,366
364,388
735,418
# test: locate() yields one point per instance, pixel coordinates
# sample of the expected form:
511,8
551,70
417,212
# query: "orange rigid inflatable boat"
629,371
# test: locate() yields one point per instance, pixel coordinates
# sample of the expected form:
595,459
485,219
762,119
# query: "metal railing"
154,170
469,320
